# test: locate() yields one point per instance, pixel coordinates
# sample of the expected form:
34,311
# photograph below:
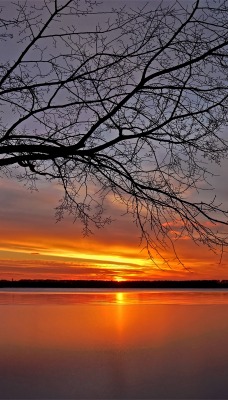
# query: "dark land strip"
101,284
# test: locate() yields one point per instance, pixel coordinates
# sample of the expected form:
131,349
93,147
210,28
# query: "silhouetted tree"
123,102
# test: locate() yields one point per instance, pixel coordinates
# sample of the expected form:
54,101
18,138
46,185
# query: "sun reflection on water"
120,298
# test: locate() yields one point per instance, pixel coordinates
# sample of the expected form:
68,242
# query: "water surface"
113,344
112,296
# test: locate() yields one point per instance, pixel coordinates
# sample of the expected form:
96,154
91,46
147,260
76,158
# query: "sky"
33,245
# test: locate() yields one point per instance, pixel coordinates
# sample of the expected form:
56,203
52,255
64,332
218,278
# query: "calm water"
114,345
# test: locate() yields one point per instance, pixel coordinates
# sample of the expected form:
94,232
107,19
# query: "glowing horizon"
33,245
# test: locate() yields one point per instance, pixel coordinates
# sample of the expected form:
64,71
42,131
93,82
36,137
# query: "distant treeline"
49,283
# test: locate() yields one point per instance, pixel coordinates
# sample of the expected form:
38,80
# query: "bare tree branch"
123,103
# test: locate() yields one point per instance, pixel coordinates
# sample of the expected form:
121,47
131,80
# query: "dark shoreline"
100,284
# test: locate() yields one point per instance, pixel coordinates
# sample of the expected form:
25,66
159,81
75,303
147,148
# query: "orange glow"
120,330
119,279
32,245
140,326
111,346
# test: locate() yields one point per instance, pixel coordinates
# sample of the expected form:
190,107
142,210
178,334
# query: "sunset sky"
34,246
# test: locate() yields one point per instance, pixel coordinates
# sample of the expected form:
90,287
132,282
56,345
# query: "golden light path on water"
112,297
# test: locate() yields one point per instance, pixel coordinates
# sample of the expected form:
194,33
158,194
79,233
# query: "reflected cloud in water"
116,297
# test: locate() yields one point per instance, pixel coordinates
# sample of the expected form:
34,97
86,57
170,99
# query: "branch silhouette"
134,106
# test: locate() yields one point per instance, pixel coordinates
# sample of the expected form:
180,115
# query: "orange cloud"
32,244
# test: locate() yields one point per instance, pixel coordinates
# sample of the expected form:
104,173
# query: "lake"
110,344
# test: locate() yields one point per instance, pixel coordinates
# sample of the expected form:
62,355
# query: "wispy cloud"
32,244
